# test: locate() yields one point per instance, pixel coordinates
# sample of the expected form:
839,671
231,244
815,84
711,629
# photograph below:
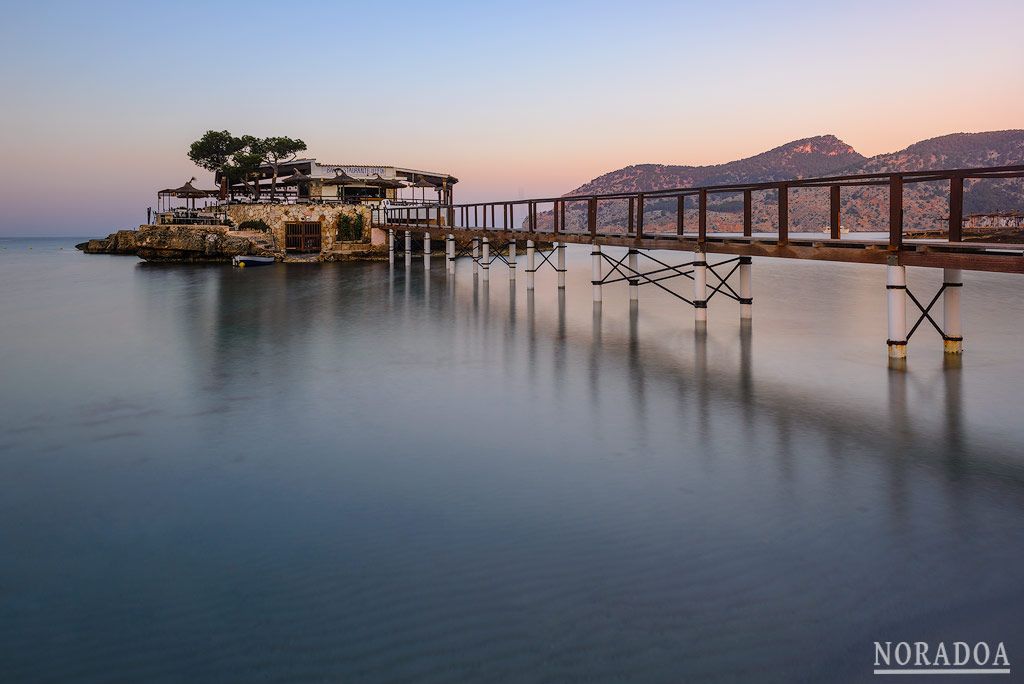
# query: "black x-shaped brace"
545,258
644,278
465,251
925,310
495,252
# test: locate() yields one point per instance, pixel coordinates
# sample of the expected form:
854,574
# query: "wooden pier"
497,229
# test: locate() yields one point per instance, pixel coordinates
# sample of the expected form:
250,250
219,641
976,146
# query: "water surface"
343,473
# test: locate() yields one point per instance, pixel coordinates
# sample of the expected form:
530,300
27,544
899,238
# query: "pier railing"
585,217
579,214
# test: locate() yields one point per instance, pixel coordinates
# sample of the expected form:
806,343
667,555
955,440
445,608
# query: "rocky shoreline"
185,244
211,244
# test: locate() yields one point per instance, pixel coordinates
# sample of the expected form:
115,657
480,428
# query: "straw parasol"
341,179
296,178
422,182
188,192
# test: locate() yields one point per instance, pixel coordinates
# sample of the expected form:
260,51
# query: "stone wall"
276,215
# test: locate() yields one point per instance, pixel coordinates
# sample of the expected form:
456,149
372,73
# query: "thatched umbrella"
422,182
296,178
341,179
188,192
384,183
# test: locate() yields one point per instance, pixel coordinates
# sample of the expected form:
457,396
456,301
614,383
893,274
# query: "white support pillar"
700,289
952,326
391,245
450,243
531,266
408,248
485,260
511,259
896,294
426,251
476,255
560,248
634,280
595,280
746,289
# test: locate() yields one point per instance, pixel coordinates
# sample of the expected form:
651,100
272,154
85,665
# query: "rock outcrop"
177,243
121,242
193,243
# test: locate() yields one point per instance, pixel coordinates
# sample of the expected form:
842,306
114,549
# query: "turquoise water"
340,473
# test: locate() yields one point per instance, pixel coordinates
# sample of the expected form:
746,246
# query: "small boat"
243,261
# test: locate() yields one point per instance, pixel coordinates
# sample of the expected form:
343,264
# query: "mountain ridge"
926,204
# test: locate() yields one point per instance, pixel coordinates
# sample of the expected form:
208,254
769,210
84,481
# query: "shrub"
350,228
254,224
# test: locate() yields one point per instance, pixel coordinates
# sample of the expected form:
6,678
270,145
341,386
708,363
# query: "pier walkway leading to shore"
645,222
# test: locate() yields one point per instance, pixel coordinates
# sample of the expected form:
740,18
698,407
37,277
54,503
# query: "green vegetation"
350,228
254,224
239,158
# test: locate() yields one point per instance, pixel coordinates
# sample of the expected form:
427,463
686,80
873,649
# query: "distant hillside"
818,156
863,208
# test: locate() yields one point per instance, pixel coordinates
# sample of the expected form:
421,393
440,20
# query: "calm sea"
336,473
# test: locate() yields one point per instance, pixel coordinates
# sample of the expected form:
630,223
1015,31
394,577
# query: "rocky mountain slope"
863,209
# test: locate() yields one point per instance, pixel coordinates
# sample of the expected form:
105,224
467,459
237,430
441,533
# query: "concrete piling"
952,326
634,280
700,290
530,265
560,249
511,259
486,260
896,295
746,289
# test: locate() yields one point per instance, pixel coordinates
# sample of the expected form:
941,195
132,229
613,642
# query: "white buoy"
952,326
476,255
634,280
530,264
426,251
746,289
485,260
595,280
700,290
511,259
896,294
560,248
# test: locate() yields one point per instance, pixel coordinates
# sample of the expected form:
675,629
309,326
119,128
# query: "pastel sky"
101,99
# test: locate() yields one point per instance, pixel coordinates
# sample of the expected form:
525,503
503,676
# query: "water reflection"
447,475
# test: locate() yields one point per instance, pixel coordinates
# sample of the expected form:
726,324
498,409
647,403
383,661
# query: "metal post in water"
952,326
391,246
560,247
896,294
511,259
486,260
426,251
451,253
700,290
408,248
634,280
476,255
746,289
530,265
595,280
